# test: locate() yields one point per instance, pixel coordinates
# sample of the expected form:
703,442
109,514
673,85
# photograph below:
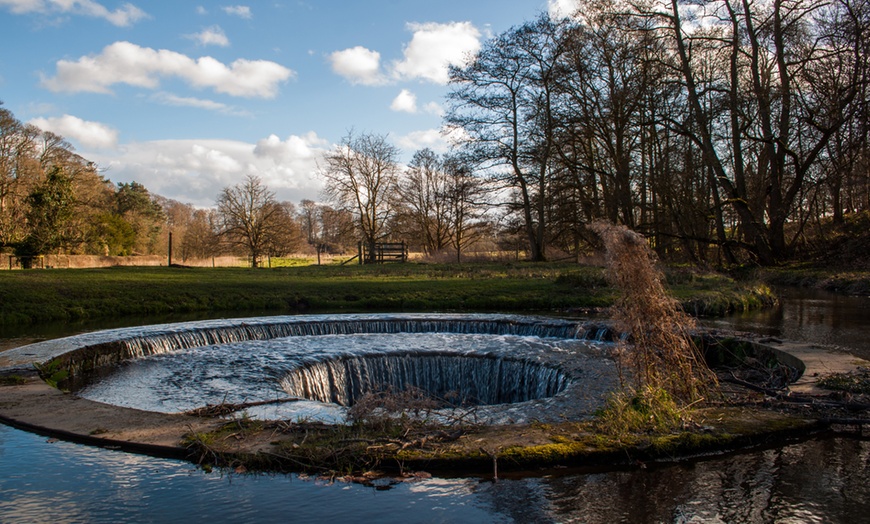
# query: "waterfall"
162,342
463,380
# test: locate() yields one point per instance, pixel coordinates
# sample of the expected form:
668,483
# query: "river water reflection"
826,480
816,481
810,315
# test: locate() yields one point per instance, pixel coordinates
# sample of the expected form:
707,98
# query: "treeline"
52,199
723,130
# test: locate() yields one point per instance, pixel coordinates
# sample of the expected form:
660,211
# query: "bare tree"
421,193
201,237
465,199
336,229
360,176
308,219
788,79
19,174
250,217
503,100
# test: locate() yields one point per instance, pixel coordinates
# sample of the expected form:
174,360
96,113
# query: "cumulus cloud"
194,171
123,62
434,47
562,8
242,11
88,134
299,150
211,36
125,15
405,102
359,65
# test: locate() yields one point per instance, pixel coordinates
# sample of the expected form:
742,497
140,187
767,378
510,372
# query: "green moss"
687,443
545,453
12,380
54,373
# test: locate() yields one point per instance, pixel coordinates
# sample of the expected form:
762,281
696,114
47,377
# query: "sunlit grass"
61,295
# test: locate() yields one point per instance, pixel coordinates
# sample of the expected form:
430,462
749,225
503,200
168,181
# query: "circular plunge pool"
509,369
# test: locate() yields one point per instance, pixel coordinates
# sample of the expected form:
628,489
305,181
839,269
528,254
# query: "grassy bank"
35,296
854,282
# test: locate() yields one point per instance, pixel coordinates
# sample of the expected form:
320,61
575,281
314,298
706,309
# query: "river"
819,480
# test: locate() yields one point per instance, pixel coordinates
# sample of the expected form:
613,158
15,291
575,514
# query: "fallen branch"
749,385
219,410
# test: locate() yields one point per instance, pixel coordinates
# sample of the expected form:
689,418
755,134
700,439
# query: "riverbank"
855,282
38,296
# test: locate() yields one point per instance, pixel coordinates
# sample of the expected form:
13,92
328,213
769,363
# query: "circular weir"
448,379
510,369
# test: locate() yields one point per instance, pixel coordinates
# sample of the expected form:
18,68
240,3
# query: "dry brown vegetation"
658,351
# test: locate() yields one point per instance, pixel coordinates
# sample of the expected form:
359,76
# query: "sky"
190,97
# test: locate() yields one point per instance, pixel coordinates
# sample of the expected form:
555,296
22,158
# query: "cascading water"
454,380
514,368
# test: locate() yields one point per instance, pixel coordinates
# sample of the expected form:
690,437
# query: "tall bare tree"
788,82
503,100
466,200
19,173
421,193
360,176
249,217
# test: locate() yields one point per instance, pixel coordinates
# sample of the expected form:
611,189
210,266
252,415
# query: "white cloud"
211,36
242,11
405,102
434,108
434,139
434,47
562,8
123,62
358,64
183,101
88,134
295,149
124,16
195,171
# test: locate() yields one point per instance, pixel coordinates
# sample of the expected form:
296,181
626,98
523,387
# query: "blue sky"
189,97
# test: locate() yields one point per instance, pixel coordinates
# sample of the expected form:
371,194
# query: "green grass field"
35,296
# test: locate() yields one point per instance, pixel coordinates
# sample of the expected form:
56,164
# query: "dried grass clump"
659,352
384,409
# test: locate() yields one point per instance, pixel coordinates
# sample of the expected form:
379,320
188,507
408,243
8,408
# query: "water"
810,315
815,481
824,480
494,369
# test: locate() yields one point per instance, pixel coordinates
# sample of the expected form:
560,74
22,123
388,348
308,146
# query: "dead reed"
659,351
